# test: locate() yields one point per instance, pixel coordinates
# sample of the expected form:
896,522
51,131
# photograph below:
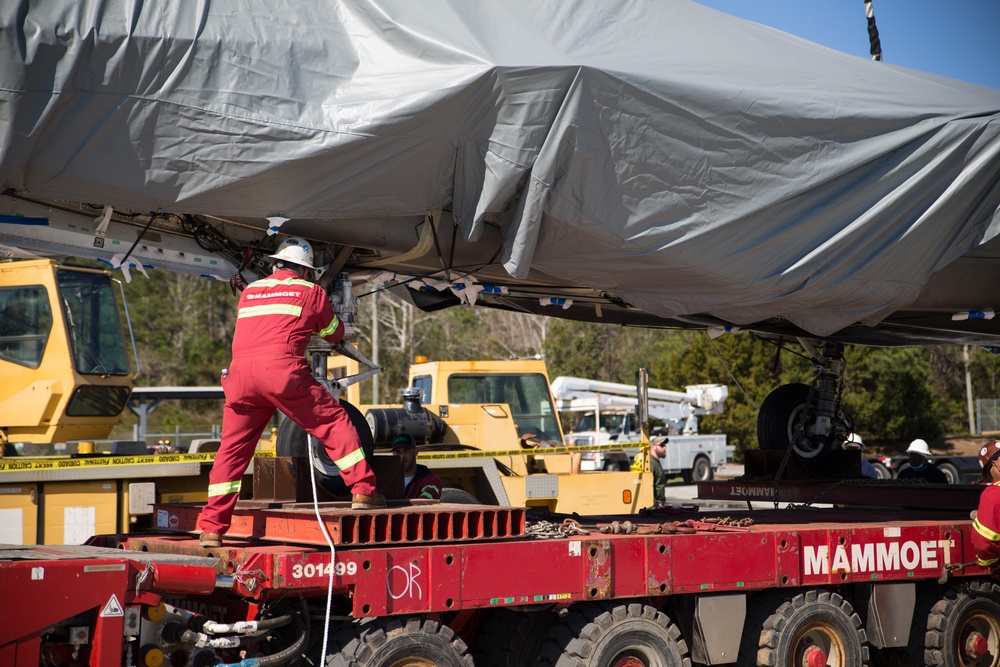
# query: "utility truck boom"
600,413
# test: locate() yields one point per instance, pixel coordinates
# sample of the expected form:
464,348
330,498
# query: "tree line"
183,327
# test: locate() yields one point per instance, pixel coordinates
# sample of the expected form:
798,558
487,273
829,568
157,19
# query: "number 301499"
309,570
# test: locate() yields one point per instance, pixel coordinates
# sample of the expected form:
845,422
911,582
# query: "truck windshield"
527,394
25,323
96,340
610,422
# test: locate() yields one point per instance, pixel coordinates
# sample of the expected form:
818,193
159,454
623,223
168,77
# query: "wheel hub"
814,656
976,645
629,661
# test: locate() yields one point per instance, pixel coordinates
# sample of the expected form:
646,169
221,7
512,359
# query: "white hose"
314,455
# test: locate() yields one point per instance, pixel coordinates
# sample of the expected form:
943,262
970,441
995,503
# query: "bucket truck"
600,413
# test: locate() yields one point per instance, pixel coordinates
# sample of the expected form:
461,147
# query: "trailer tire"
882,470
951,472
512,638
408,640
292,440
966,611
760,606
609,635
809,621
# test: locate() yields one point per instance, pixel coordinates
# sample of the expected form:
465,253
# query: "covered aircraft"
649,163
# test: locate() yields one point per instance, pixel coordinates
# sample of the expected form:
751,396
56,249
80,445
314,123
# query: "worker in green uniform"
657,450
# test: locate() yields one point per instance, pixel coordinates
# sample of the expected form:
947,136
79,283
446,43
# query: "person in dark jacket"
920,465
418,480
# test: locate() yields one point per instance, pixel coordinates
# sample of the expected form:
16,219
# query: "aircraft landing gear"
809,420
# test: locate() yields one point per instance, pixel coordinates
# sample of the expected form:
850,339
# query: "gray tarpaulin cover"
689,161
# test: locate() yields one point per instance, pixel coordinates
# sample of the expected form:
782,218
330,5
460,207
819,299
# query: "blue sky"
956,38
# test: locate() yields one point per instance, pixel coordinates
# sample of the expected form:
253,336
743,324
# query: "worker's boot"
210,540
375,501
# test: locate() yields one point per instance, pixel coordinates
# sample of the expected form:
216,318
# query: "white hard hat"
920,447
855,439
296,250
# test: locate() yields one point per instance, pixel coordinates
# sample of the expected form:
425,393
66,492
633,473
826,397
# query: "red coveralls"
275,319
986,533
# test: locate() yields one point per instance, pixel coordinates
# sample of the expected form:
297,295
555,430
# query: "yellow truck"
490,430
66,379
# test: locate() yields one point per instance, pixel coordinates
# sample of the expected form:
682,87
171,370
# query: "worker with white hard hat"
854,441
275,319
920,466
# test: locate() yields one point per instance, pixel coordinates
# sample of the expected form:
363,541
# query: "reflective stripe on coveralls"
329,329
224,488
986,527
276,317
351,459
276,309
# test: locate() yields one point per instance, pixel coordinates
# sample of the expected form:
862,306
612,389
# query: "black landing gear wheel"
292,440
781,425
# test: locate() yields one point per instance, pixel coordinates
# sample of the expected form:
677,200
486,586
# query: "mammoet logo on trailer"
870,557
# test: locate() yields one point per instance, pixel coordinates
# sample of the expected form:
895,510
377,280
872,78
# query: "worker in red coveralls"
275,318
986,524
418,480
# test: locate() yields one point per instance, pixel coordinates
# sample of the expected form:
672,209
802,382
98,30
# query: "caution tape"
15,464
108,461
537,451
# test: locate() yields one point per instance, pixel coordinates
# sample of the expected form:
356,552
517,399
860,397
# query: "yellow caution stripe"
19,464
536,451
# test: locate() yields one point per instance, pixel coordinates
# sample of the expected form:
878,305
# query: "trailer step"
295,523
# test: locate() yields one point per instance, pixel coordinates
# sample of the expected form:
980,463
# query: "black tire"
966,619
777,412
882,470
450,494
606,635
383,642
760,606
815,620
776,422
702,471
951,472
512,638
292,440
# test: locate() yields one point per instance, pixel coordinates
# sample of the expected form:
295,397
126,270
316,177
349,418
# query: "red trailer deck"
843,584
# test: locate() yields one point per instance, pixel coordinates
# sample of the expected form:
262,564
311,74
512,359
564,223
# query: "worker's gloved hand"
973,514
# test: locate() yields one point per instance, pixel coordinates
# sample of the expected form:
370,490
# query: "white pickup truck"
603,413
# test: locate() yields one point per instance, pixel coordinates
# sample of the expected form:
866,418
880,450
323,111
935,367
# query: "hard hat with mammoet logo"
296,250
989,453
920,447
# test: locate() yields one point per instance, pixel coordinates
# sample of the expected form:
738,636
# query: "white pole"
375,346
968,391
